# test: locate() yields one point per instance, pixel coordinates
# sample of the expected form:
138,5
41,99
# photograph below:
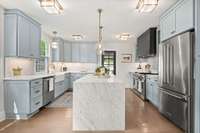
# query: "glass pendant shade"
146,5
51,6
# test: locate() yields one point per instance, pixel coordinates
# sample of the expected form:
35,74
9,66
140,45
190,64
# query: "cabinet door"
23,37
67,81
75,52
67,52
168,25
148,90
10,35
92,56
84,52
61,51
184,16
35,36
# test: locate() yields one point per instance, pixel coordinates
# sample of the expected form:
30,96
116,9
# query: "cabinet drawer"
59,88
36,103
36,91
36,82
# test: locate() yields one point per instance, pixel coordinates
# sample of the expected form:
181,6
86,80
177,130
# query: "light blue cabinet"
59,88
177,19
35,37
91,53
22,35
184,16
152,89
67,51
75,52
167,25
67,81
22,98
84,53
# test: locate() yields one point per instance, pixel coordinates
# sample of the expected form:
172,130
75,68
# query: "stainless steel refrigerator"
175,77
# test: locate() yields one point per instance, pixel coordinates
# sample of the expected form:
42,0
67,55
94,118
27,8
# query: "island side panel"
98,106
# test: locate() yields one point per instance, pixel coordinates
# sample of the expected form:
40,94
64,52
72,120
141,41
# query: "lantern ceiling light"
146,5
51,6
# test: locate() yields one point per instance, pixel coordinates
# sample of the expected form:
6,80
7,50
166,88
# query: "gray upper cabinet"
84,53
67,51
22,35
91,53
184,16
35,33
177,19
168,25
75,52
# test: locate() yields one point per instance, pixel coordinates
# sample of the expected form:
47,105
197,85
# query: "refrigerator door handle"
178,97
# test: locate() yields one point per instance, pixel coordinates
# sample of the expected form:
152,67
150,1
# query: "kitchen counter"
38,76
146,73
98,104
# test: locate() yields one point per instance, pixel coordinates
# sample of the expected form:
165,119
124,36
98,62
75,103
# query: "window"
109,61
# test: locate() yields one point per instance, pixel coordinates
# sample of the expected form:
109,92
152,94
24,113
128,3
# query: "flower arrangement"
102,71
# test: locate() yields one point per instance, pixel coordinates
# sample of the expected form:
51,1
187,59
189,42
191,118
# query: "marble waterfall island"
98,104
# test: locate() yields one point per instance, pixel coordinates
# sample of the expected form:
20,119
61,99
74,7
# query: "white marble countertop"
91,78
38,76
98,104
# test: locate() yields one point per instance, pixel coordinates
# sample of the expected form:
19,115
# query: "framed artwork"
126,58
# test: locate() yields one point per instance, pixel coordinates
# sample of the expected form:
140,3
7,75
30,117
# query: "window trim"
114,54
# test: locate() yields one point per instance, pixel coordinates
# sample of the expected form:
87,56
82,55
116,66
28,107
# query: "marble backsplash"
26,64
90,67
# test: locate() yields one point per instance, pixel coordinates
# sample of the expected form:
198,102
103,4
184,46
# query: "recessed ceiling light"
77,37
51,6
123,36
146,5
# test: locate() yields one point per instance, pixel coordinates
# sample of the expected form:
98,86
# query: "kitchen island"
98,104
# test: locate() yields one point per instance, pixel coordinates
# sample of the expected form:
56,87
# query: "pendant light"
99,44
51,6
54,43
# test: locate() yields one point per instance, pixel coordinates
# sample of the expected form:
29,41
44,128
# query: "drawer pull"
37,82
37,91
173,32
37,103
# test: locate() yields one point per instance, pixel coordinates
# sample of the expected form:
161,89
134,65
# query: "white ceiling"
80,17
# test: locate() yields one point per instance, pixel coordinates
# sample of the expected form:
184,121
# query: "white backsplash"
89,67
27,66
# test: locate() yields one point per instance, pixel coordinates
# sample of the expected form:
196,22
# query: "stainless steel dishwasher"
48,90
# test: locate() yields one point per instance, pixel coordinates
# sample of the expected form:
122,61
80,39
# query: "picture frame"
126,58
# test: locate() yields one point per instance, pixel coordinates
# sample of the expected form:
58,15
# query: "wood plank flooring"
140,118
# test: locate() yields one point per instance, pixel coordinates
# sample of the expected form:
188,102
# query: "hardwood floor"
140,118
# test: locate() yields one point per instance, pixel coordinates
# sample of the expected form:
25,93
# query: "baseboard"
2,116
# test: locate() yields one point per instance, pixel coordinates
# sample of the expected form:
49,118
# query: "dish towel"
51,84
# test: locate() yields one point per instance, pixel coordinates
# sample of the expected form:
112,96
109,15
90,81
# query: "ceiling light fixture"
123,36
146,5
77,37
51,6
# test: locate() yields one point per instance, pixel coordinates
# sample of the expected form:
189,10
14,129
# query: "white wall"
122,69
2,114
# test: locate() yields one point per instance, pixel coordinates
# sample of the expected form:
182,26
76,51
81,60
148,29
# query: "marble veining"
98,104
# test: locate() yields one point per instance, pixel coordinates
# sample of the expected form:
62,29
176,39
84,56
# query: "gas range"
139,83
